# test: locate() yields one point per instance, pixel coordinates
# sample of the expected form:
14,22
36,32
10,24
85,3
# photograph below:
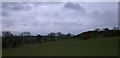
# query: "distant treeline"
10,41
105,32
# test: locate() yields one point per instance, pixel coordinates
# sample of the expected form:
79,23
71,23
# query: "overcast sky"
65,17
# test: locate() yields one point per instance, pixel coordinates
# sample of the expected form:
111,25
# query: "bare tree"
6,33
52,34
59,34
97,29
115,28
106,29
25,34
69,34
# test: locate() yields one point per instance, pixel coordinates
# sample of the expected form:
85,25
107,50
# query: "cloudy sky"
65,17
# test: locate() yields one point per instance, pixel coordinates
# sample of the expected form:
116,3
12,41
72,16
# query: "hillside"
104,46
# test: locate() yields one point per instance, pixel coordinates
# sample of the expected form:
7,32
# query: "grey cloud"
7,23
53,18
15,6
75,6
66,23
56,15
5,13
45,3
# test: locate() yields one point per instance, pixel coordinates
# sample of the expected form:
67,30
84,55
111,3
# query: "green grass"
74,47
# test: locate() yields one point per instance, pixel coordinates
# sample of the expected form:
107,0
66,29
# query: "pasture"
103,46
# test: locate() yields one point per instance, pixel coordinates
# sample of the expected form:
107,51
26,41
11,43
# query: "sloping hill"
104,46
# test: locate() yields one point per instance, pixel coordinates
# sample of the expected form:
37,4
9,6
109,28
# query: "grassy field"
74,47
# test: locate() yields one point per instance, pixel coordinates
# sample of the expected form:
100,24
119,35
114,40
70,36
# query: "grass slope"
73,47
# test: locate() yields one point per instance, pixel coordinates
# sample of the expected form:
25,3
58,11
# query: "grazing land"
103,46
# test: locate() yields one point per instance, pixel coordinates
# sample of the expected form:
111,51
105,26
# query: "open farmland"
103,46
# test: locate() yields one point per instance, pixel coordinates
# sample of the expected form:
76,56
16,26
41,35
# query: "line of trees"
105,32
10,41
